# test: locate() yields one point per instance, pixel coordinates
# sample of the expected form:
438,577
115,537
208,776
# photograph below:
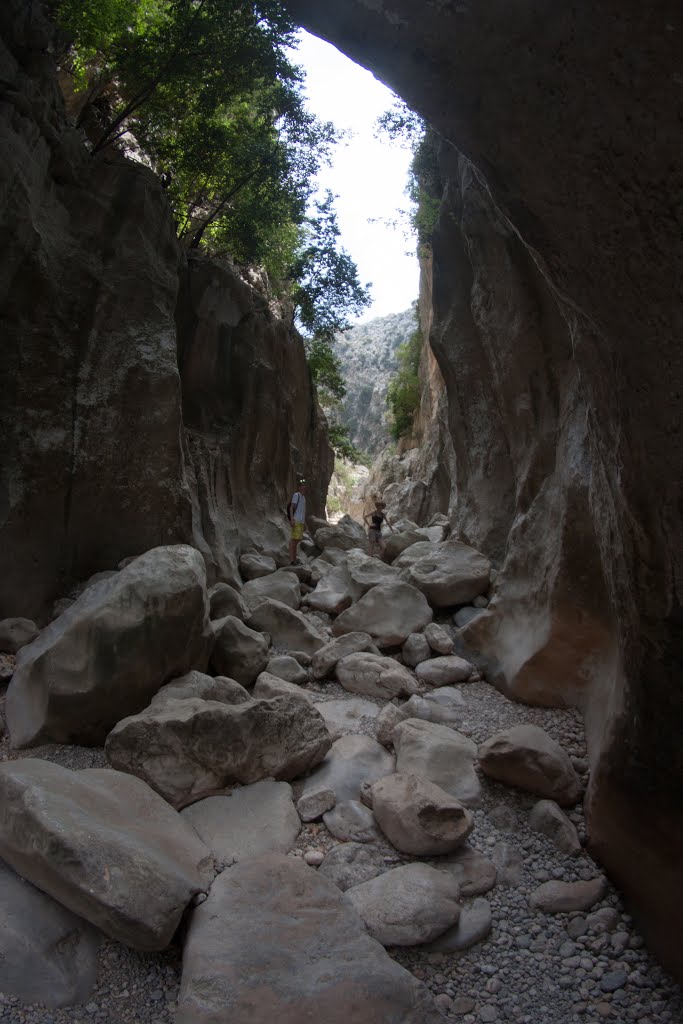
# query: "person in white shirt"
297,519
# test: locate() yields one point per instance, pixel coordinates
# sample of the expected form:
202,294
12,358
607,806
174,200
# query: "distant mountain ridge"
367,354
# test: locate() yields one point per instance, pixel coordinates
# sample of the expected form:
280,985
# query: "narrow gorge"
230,784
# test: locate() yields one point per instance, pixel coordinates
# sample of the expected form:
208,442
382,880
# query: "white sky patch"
368,175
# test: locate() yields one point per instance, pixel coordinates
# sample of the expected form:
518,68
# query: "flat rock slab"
184,749
408,905
527,757
375,676
104,845
350,761
277,941
473,926
389,612
351,864
439,754
246,823
47,954
110,652
563,897
345,717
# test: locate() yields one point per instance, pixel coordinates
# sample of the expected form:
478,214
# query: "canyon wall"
557,326
107,448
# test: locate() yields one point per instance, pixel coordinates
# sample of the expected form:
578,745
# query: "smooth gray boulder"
351,821
326,658
398,541
254,565
347,716
350,761
277,941
287,627
47,954
268,686
444,671
527,757
345,534
447,573
334,592
226,600
439,754
280,586
110,652
418,817
408,905
366,572
416,649
250,821
546,817
203,687
375,676
286,667
473,872
389,612
104,845
438,638
349,864
387,720
473,926
564,897
186,749
16,633
239,651
311,806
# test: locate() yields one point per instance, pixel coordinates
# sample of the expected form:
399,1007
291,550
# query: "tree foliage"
403,391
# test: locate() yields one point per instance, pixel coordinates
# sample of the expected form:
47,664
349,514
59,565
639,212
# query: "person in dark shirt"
374,520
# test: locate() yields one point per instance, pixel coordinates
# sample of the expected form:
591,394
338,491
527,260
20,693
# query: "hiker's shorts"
297,531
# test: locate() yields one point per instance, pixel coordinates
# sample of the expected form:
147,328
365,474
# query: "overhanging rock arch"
562,210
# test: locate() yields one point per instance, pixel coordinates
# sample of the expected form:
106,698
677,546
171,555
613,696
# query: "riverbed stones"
280,586
16,633
473,872
387,720
276,940
351,821
439,639
186,748
444,671
375,676
418,817
109,653
226,600
447,573
408,905
325,659
416,649
549,819
250,821
334,592
268,686
239,652
350,864
347,716
104,845
527,757
389,612
350,761
366,572
439,754
253,565
474,925
202,687
311,806
286,667
287,627
563,897
47,954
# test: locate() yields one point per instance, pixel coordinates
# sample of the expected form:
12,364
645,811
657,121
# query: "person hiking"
376,518
296,513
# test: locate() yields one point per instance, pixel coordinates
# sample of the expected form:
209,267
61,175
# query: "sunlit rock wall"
558,319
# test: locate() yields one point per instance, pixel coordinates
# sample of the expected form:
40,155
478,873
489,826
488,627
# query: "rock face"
109,653
563,372
148,391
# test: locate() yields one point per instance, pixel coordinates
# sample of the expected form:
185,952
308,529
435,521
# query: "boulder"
416,649
239,651
408,905
389,612
444,671
346,535
347,715
334,592
447,712
418,817
268,686
278,941
253,565
527,757
375,676
288,628
327,657
438,638
246,823
351,761
186,749
565,897
312,806
287,667
47,954
226,600
472,871
202,687
448,573
439,754
546,817
351,821
16,633
397,542
282,586
104,845
473,926
350,864
110,652
366,572
387,720
464,616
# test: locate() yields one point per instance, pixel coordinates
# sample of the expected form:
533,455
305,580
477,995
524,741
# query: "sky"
368,175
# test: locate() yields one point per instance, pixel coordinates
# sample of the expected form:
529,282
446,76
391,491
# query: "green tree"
403,390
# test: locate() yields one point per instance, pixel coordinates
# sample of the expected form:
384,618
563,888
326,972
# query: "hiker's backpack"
291,508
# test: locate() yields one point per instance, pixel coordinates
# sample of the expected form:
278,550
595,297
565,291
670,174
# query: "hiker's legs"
296,535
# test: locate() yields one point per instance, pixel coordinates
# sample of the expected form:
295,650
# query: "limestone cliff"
107,450
557,319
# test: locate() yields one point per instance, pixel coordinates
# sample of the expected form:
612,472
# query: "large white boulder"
408,905
419,817
110,652
280,586
389,612
448,573
239,651
375,676
439,754
287,627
